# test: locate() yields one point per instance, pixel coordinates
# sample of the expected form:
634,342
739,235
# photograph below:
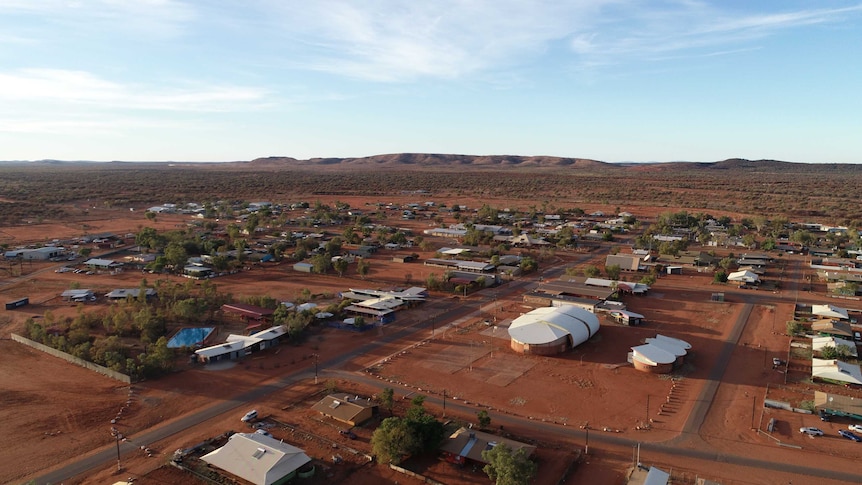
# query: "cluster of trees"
419,432
129,336
839,352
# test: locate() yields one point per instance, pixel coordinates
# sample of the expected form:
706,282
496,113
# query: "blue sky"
612,80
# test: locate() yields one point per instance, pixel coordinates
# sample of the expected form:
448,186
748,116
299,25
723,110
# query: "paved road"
575,435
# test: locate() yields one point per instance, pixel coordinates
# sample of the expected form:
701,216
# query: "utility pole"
316,356
444,403
117,436
753,409
646,423
587,445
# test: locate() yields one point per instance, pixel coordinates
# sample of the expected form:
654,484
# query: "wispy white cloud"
389,40
83,88
684,27
150,18
394,40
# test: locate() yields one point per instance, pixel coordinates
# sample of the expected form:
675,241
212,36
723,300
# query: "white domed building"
552,330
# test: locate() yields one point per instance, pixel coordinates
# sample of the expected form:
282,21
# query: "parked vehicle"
263,432
855,427
811,431
849,435
350,434
776,361
249,416
824,416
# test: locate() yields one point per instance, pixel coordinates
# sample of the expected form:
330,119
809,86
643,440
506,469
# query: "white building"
259,459
551,330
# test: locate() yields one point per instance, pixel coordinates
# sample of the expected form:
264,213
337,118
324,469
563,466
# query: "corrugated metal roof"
546,324
260,459
653,354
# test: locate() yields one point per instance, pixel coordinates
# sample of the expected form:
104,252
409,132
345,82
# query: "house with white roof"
744,276
836,370
259,459
829,311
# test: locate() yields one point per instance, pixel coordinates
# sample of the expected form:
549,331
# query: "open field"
53,413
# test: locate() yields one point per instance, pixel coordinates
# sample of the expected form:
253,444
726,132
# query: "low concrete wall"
414,474
75,360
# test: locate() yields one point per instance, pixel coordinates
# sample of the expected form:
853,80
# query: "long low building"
238,346
461,265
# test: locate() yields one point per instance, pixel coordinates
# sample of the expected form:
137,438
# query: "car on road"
855,427
249,416
849,435
811,431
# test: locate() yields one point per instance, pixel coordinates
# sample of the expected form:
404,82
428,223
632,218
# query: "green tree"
719,277
508,468
528,264
591,271
613,271
176,255
839,352
484,419
321,263
393,439
340,266
387,399
793,328
362,267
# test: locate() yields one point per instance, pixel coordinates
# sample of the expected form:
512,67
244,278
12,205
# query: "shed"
303,267
627,318
77,295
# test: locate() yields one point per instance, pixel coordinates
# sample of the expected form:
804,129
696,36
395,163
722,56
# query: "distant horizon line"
626,162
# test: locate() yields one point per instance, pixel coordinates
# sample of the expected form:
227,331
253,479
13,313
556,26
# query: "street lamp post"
316,356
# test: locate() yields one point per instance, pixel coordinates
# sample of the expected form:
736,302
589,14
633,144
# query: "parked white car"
855,427
249,416
811,431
